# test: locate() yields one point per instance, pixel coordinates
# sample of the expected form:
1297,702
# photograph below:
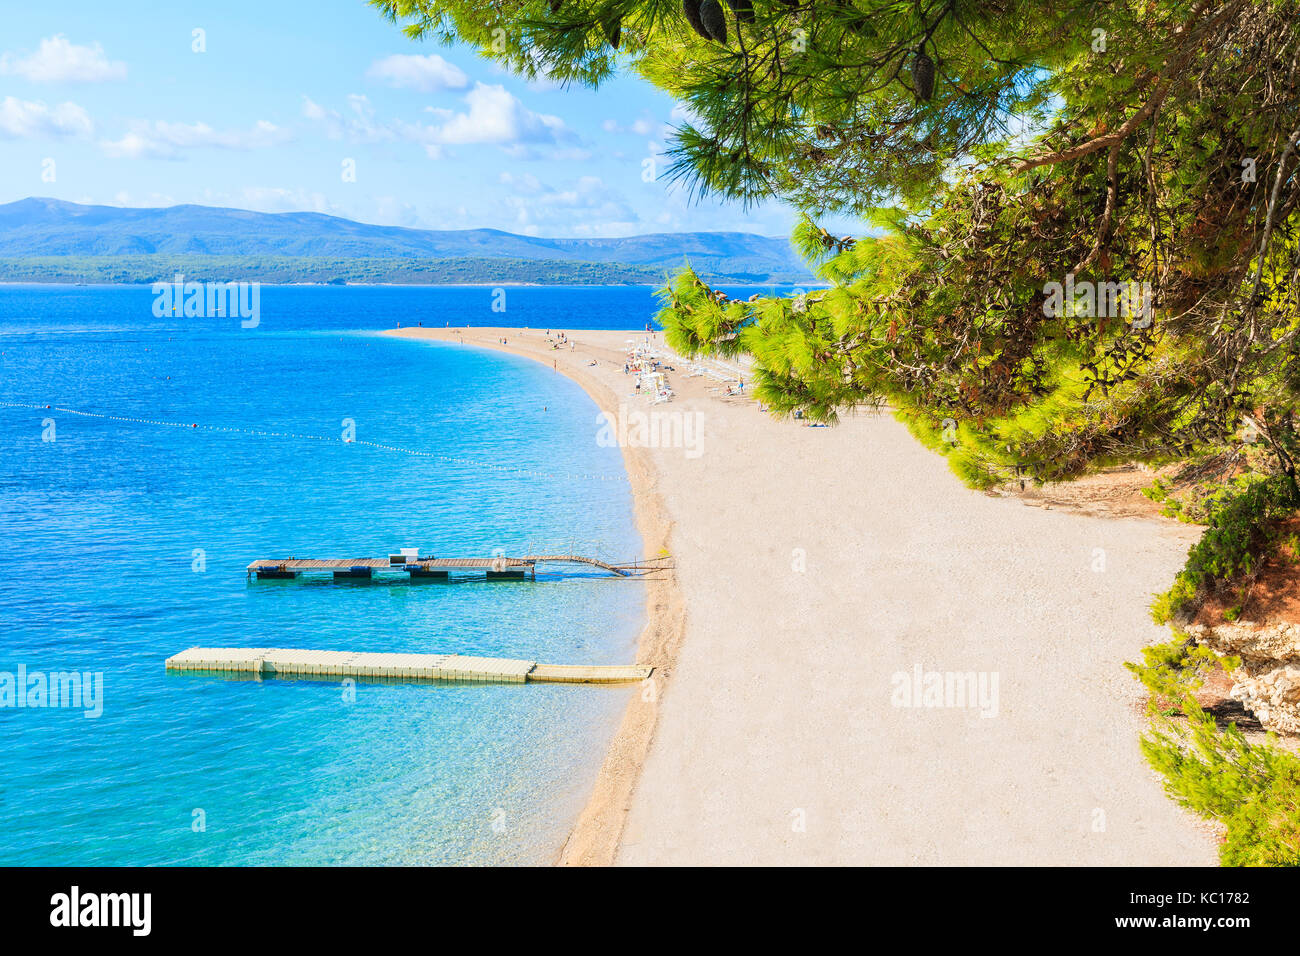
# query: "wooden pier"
330,665
433,568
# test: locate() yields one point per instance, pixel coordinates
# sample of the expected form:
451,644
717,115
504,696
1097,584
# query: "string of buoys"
234,429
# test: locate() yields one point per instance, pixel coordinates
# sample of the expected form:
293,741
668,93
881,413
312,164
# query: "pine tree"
1084,248
1004,149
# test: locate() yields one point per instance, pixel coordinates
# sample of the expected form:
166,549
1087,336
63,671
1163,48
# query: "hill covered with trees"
49,238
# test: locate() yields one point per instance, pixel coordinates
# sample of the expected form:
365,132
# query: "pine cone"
691,8
744,10
612,30
714,20
923,75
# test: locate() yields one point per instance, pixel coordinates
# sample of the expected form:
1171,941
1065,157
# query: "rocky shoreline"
1268,681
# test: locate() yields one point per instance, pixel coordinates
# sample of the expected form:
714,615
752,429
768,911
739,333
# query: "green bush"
1158,491
1240,514
1252,789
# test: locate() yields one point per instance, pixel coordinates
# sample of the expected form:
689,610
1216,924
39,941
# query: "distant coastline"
48,240
323,270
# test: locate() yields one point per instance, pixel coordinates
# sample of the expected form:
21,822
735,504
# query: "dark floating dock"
440,569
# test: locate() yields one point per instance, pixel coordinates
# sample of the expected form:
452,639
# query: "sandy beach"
828,580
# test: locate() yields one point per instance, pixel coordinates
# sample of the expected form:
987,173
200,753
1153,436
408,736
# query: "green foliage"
1158,490
1241,514
1287,548
1037,159
1166,605
1252,789
1192,502
1173,670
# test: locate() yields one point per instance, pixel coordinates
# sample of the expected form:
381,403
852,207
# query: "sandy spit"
824,575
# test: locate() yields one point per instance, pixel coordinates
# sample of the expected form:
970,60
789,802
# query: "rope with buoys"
397,449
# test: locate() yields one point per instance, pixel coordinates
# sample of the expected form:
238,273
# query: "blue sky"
109,103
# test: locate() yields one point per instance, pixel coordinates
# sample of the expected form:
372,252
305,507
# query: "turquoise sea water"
124,542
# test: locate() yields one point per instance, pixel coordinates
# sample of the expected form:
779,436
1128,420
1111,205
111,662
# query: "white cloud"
164,140
496,116
641,127
22,119
357,124
428,74
493,116
313,110
59,61
135,146
524,184
569,154
586,207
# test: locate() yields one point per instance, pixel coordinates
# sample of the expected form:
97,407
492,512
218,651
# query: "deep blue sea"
125,532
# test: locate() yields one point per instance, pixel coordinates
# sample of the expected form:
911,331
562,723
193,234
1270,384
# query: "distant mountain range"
52,240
